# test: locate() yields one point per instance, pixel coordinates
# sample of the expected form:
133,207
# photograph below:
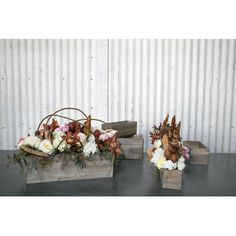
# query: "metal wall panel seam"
183,81
108,79
1,96
126,78
210,97
233,107
217,93
225,89
197,95
134,80
204,88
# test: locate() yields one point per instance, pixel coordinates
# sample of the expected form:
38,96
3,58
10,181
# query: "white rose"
181,164
157,154
91,138
161,162
32,141
82,137
46,146
170,165
154,160
57,134
63,145
157,143
181,159
56,142
89,148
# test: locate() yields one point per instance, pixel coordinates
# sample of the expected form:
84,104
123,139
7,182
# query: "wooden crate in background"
125,128
199,153
132,147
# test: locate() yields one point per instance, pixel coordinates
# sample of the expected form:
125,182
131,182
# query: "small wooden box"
55,171
125,128
171,179
199,154
132,147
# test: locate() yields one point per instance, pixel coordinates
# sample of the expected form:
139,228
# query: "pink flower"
21,142
104,137
63,127
186,153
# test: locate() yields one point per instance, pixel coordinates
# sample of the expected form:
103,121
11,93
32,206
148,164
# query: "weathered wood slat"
132,147
171,179
55,171
125,128
199,153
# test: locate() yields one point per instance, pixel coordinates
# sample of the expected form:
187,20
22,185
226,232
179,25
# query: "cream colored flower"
170,165
157,154
32,141
56,142
46,146
154,160
89,148
57,134
91,138
181,165
157,143
82,138
161,162
63,145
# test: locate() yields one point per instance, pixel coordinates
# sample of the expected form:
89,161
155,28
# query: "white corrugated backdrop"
121,79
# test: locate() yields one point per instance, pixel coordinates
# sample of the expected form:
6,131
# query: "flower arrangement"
76,140
168,152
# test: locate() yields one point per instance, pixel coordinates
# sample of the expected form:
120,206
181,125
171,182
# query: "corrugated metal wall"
194,79
121,79
40,76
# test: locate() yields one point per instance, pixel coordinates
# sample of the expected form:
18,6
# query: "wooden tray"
132,147
125,128
199,153
55,171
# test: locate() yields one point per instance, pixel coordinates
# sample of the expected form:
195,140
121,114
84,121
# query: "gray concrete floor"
131,178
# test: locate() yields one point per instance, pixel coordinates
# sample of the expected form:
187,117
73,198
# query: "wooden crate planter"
55,171
199,153
125,128
132,147
171,179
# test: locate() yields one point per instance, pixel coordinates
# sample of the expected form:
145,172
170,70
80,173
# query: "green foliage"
27,161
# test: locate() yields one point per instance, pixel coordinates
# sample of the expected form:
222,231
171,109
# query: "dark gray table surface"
132,178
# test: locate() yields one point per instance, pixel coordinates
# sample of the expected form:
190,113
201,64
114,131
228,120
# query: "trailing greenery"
27,161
